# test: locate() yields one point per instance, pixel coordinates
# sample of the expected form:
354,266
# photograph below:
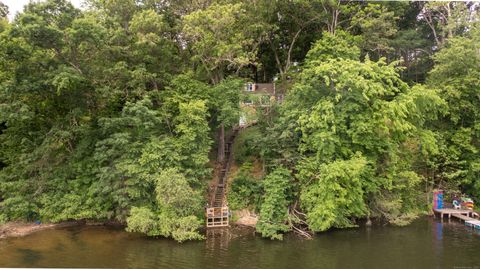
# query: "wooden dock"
449,212
473,223
461,214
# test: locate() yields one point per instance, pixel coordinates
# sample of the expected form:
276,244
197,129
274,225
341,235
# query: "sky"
15,6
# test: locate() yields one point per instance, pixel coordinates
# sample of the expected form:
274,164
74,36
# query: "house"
264,89
258,95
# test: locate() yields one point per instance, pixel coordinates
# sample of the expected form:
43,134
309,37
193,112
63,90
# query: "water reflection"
29,257
424,244
218,238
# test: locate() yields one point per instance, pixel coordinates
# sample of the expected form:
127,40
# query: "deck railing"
217,216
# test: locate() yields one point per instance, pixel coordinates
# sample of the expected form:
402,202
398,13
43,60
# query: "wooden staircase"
218,214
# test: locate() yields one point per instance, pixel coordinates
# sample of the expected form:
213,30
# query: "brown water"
424,244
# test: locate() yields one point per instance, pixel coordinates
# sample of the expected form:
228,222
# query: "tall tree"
353,115
3,10
3,17
456,75
448,19
378,27
222,38
293,26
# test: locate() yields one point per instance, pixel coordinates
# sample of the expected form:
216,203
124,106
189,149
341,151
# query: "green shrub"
175,212
245,147
245,191
274,209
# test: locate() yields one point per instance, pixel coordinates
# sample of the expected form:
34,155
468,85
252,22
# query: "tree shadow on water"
29,256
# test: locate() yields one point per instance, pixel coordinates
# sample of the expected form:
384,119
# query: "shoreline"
20,229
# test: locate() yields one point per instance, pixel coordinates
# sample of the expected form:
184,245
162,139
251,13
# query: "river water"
426,243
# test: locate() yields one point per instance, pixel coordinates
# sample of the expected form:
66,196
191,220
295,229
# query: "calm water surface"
424,244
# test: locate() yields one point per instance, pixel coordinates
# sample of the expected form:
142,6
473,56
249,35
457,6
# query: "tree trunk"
221,143
429,20
449,15
217,76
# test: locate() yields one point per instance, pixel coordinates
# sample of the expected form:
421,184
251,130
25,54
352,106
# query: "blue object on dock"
438,200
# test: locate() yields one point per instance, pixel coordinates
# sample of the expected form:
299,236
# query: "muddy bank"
245,217
18,229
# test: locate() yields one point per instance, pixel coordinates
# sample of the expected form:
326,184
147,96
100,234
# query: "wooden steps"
218,213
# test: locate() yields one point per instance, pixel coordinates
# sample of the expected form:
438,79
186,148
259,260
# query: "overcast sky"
15,6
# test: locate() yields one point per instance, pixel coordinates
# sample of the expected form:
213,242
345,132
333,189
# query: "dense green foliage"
336,193
114,112
246,190
173,212
457,77
244,148
95,112
359,107
274,210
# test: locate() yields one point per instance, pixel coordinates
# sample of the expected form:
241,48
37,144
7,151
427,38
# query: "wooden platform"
217,217
450,212
473,223
462,217
461,214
